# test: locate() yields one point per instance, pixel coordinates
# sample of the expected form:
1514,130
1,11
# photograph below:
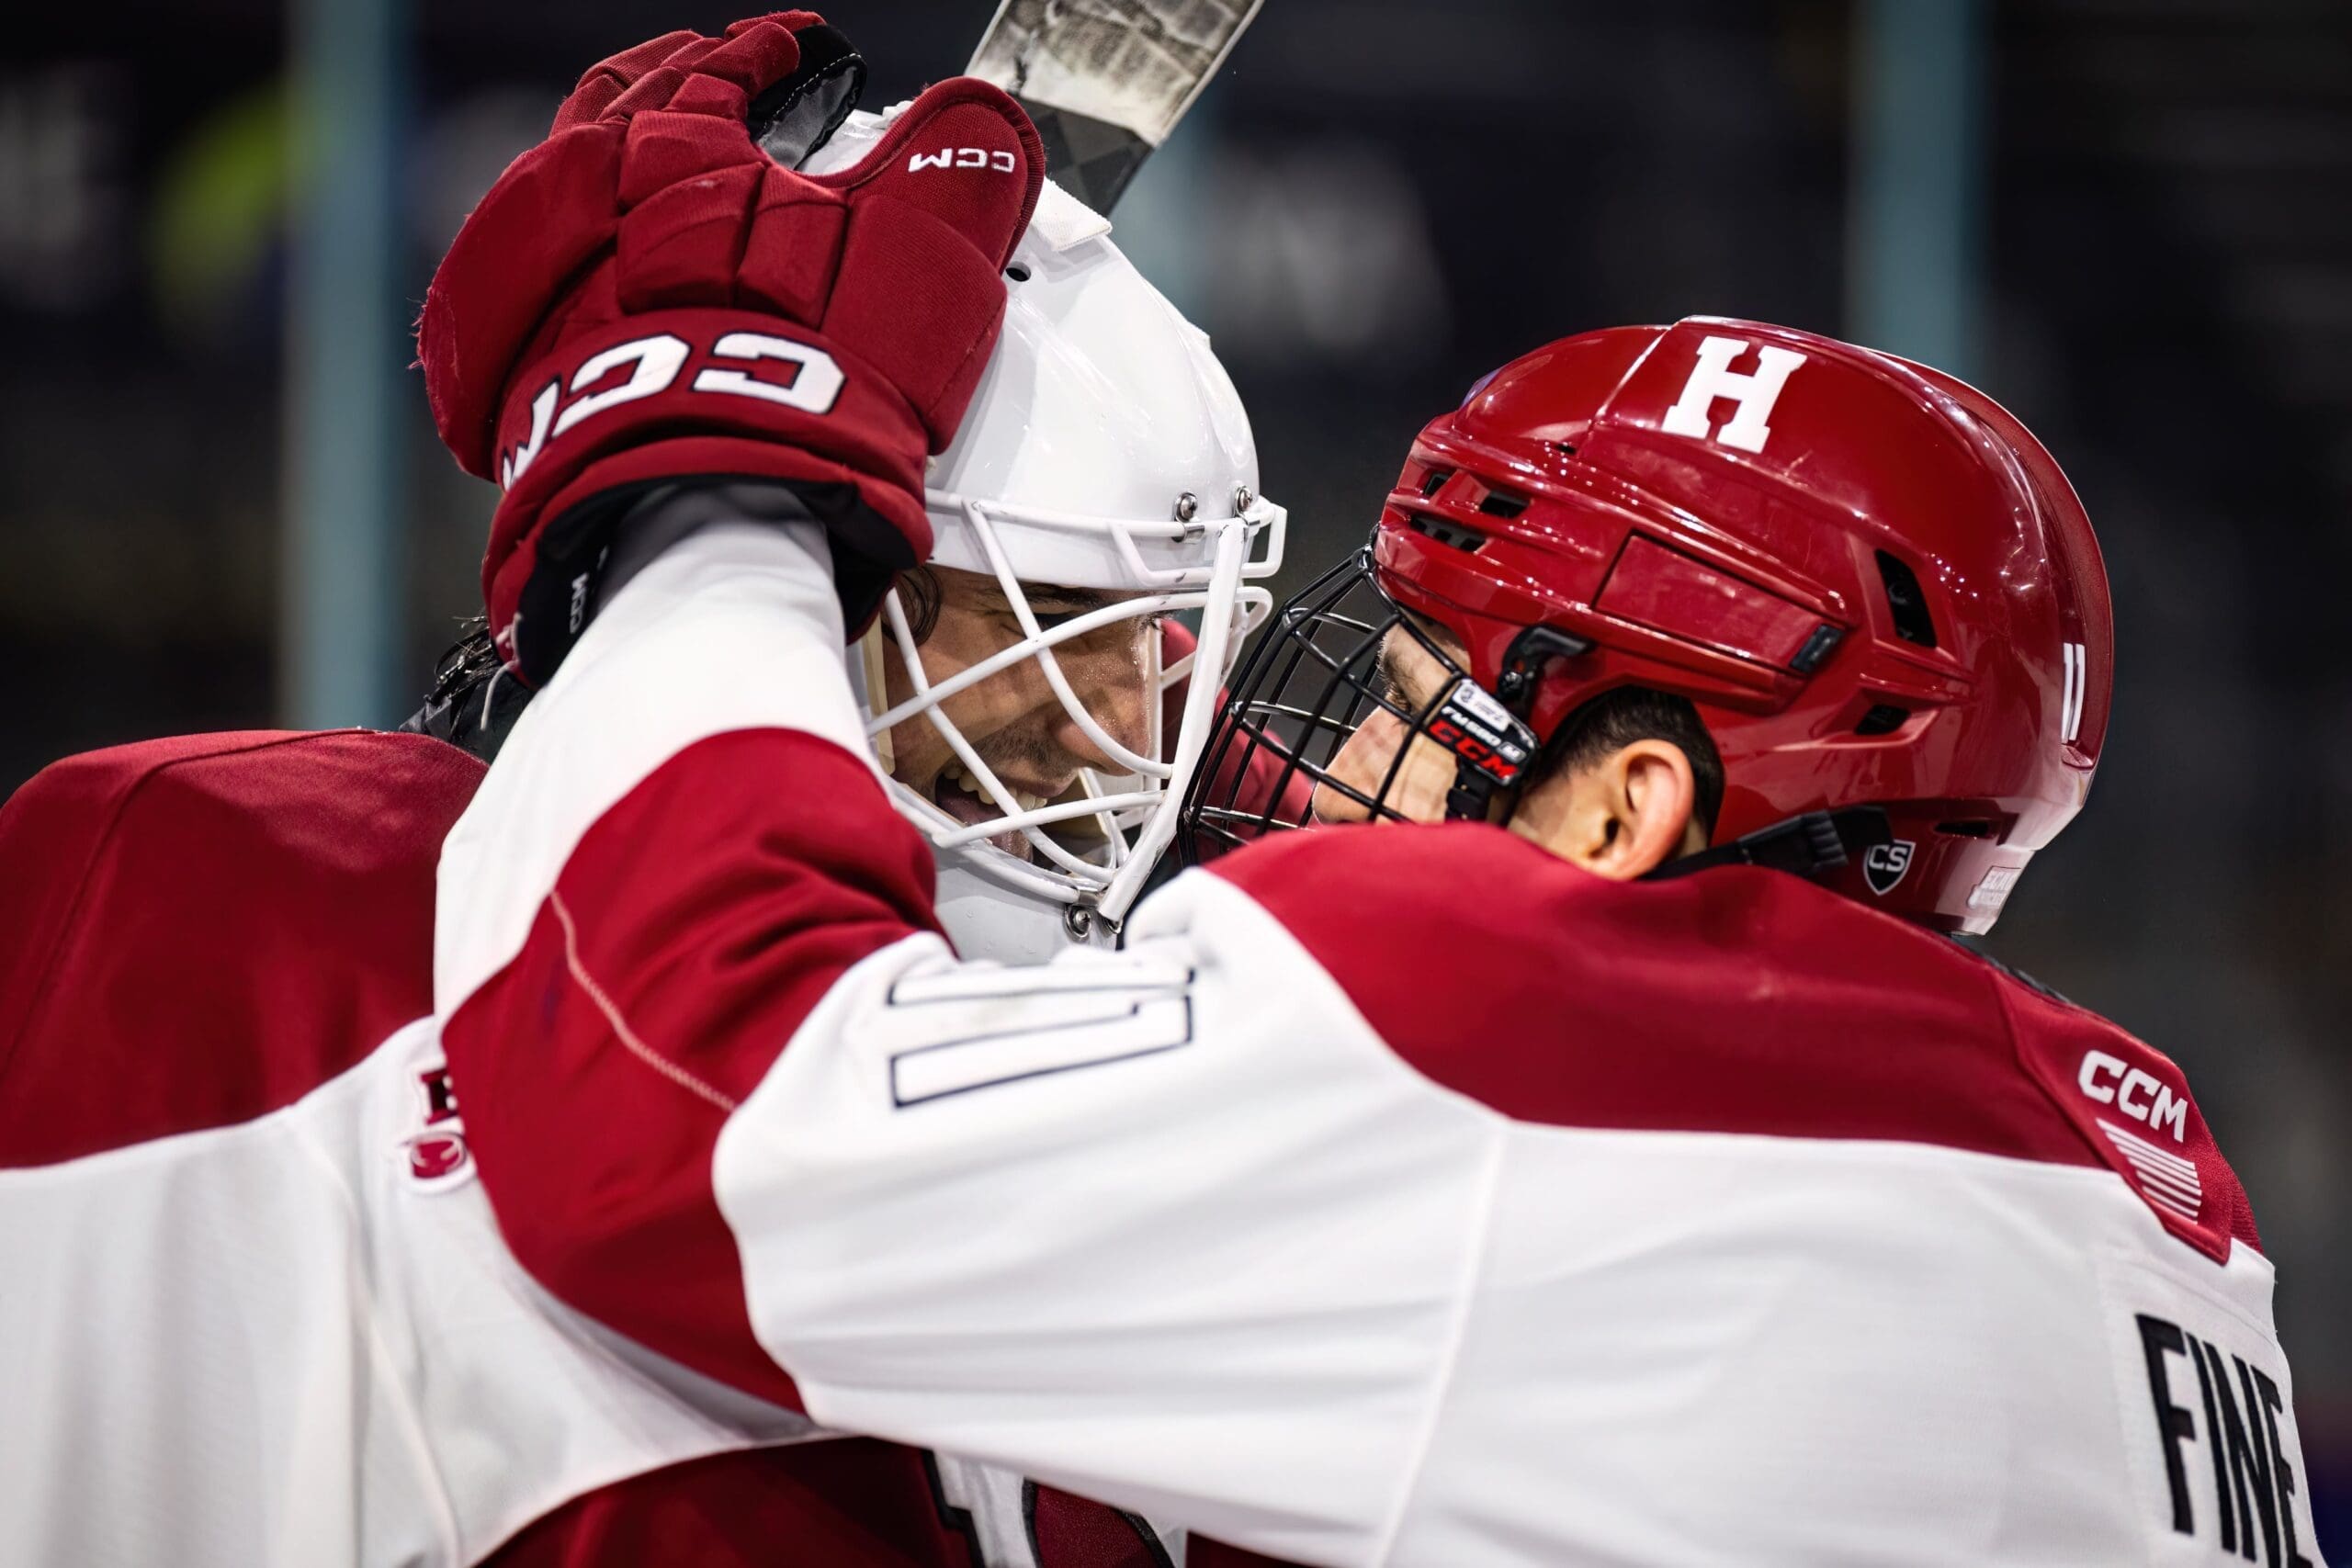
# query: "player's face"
1417,790
1013,719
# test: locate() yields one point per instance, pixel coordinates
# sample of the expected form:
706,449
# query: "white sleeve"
1169,1227
736,627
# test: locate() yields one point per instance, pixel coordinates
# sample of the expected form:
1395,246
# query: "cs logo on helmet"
1883,864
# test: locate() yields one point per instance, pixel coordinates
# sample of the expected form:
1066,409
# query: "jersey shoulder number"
960,1029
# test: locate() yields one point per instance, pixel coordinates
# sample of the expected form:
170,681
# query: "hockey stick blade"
1106,80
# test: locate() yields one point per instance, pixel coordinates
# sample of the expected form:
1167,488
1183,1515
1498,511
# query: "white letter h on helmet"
1753,393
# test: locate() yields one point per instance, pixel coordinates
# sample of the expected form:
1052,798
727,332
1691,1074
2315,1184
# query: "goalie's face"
1021,729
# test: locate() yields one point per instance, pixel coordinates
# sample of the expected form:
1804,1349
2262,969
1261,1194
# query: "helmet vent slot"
1906,602
1966,829
1884,719
1502,504
1448,534
1434,481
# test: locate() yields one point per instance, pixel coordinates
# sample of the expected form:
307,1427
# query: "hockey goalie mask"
1103,485
1874,585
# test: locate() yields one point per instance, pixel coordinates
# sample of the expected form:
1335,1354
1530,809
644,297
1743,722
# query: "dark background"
1375,204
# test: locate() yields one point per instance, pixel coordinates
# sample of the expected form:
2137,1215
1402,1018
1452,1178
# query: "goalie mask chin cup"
1104,449
1876,587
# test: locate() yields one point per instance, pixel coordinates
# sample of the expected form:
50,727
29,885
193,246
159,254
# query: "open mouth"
957,792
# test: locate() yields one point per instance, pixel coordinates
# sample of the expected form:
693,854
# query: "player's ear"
1620,816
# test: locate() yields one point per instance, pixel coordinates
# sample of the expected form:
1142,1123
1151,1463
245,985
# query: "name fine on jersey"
2221,1416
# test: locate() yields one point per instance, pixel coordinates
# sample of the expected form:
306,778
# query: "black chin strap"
1488,732
1807,845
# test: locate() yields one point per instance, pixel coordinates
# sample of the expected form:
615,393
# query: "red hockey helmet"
1875,584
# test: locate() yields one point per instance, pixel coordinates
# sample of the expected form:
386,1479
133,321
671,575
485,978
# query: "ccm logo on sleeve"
751,364
2219,1416
2134,1091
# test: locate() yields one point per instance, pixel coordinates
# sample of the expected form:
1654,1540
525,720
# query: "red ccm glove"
648,298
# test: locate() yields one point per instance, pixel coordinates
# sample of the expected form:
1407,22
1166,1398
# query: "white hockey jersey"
1398,1195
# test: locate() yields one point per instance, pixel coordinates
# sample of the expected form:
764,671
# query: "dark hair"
920,595
1614,720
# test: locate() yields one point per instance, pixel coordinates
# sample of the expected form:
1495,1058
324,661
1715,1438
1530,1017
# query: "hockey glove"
648,298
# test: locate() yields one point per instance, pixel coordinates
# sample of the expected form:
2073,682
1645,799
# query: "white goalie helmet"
1105,450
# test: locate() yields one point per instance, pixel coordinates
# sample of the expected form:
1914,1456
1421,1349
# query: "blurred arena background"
221,504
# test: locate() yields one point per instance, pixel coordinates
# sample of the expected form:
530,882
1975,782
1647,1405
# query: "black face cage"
1314,677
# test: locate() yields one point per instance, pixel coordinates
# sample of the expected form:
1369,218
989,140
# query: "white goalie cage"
1105,449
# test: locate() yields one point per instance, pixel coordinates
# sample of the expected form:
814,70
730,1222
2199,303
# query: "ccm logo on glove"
1003,163
812,384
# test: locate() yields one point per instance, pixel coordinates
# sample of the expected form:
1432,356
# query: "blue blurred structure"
341,591
1914,261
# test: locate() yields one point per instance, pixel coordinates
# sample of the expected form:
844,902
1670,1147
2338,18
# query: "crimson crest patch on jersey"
437,1154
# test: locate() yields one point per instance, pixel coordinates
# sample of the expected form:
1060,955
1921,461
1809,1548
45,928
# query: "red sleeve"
1737,1000
689,935
202,930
